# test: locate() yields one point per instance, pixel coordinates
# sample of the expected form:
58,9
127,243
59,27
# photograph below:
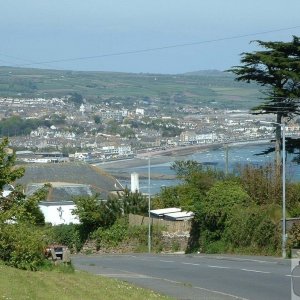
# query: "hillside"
205,88
19,284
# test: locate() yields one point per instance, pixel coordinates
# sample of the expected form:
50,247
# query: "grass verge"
19,284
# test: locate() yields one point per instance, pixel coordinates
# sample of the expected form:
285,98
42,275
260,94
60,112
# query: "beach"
120,167
169,155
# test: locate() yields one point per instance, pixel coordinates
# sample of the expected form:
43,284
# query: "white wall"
59,214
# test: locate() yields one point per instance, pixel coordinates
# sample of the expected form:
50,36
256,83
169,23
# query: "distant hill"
201,88
209,73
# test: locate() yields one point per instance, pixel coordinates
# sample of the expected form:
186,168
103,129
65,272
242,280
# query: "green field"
203,88
18,285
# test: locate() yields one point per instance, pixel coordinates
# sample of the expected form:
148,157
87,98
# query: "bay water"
237,155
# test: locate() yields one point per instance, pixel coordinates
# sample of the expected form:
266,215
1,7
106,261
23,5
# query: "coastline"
120,167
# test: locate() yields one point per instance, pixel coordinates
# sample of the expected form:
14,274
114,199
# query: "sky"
87,35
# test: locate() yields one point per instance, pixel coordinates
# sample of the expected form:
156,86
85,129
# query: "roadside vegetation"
234,213
61,284
24,237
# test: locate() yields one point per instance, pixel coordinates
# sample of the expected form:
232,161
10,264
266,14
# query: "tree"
76,98
21,240
94,212
277,68
97,119
134,203
8,173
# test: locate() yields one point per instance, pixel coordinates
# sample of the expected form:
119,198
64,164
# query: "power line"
30,62
156,48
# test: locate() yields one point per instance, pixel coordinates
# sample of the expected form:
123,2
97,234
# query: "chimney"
135,182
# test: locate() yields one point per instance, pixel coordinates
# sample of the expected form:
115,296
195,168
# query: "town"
100,132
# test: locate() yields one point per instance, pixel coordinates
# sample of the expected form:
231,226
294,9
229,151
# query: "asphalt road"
198,276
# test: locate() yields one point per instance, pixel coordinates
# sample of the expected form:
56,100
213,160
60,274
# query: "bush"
294,238
242,224
140,233
22,246
110,237
253,228
68,235
216,247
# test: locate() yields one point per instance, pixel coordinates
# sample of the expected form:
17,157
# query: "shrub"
110,237
294,238
22,246
68,235
140,233
216,247
253,227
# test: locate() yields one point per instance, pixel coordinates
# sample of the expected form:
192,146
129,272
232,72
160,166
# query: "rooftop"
70,178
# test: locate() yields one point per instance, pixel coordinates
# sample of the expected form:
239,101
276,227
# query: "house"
67,181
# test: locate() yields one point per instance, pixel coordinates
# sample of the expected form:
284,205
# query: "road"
197,276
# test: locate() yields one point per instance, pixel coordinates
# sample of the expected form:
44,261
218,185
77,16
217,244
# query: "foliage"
140,234
233,213
294,237
123,233
134,203
252,227
262,183
277,69
196,181
22,246
75,98
16,126
112,236
94,212
168,197
215,209
68,235
58,118
185,168
293,199
14,205
17,207
97,119
21,237
8,173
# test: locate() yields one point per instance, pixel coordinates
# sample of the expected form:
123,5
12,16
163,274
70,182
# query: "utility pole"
226,159
149,207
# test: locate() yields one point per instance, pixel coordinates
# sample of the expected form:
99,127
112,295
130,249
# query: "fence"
171,226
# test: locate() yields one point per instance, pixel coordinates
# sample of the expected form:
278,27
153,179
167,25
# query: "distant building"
140,111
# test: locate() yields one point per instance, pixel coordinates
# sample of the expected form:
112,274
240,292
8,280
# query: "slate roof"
62,192
89,179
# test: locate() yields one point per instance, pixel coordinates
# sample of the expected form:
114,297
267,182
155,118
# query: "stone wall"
173,237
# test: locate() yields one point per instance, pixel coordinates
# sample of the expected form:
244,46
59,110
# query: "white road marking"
256,271
217,292
218,267
134,275
244,259
185,263
124,275
294,276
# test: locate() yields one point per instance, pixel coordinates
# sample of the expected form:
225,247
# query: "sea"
238,154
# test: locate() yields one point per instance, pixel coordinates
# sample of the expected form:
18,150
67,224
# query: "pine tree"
277,69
